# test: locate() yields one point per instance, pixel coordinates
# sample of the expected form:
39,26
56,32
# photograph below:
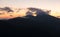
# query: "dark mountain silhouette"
41,25
6,9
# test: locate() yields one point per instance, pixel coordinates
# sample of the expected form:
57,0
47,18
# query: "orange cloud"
21,13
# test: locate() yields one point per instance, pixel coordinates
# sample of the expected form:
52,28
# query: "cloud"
23,12
6,9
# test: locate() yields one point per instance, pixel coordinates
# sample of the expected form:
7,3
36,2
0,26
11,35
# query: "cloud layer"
8,13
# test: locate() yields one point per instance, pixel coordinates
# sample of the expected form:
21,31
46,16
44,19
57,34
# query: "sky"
53,5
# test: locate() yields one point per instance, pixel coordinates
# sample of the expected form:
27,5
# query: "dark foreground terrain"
42,25
33,26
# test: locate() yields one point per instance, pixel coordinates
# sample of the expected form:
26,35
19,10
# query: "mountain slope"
41,25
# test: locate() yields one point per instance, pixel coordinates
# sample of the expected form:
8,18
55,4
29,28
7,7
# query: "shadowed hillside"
41,25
